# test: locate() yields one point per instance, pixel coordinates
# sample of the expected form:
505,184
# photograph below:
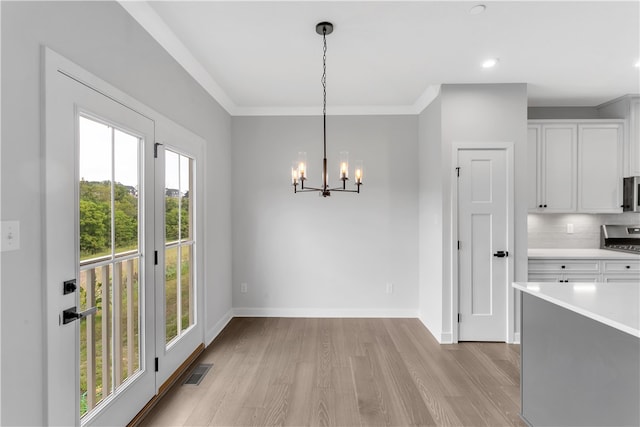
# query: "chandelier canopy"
299,168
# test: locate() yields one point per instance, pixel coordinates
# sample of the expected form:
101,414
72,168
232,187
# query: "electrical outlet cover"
10,236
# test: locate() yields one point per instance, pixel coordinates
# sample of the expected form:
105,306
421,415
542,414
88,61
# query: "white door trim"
509,149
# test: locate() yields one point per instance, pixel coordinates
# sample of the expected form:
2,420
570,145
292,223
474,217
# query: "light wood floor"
345,372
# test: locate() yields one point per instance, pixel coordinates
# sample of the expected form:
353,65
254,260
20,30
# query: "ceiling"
389,57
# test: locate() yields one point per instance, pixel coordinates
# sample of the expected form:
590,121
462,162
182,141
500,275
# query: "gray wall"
468,113
102,38
430,264
320,255
573,113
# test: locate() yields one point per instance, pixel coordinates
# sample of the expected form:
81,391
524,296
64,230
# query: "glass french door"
179,215
99,245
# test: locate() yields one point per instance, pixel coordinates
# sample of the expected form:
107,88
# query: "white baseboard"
441,337
446,338
218,327
323,312
516,338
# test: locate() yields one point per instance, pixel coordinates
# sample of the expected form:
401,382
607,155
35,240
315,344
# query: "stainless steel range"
624,238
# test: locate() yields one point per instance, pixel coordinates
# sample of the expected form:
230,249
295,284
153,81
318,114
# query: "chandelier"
299,167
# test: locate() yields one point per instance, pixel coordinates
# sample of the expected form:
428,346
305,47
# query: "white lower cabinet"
592,270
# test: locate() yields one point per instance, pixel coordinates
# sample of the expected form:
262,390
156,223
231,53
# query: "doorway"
485,228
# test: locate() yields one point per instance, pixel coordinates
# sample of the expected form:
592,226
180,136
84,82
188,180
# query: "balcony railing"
110,339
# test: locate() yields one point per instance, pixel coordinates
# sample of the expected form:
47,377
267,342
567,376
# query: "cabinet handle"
544,206
539,206
563,266
628,266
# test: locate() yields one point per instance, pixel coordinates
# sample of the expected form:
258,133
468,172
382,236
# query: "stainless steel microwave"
631,194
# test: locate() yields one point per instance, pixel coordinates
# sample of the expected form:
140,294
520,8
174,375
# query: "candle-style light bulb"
359,171
344,165
302,165
294,173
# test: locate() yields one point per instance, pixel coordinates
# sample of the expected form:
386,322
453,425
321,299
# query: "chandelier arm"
341,190
308,189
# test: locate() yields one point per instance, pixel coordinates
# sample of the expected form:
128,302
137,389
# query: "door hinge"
458,244
458,317
458,171
155,257
155,150
157,364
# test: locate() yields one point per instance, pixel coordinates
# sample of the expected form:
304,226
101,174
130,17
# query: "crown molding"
351,110
147,17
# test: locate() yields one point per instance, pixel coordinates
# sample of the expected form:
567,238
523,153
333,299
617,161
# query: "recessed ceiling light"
490,63
477,9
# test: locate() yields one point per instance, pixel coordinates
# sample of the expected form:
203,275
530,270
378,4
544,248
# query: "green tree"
94,227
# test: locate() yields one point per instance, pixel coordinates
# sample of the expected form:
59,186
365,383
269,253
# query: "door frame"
509,148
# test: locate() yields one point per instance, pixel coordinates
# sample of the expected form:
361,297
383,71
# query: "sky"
97,151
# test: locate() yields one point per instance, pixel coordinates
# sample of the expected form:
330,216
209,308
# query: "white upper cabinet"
634,138
559,169
628,108
534,148
600,167
575,166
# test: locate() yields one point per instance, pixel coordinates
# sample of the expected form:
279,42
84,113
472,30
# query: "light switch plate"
10,236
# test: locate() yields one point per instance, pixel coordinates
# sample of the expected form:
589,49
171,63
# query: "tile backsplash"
550,230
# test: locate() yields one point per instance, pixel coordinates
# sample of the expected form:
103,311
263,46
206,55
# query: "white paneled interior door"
484,227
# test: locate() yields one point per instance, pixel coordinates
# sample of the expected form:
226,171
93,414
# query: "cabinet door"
622,278
533,167
600,168
559,170
634,138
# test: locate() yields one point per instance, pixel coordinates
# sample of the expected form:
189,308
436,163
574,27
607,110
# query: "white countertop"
614,304
580,254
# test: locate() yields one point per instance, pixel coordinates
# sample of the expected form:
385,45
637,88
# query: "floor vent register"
198,373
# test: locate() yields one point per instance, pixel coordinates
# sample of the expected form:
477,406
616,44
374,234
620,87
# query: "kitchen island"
580,354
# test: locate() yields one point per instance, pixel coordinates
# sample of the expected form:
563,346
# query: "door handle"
70,314
501,254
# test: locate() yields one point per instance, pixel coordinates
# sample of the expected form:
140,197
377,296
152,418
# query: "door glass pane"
109,260
185,186
171,292
179,281
186,292
172,199
95,188
126,173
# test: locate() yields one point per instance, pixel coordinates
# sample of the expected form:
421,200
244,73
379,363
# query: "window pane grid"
179,244
110,260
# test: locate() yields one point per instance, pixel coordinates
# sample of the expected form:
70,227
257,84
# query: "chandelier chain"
324,72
